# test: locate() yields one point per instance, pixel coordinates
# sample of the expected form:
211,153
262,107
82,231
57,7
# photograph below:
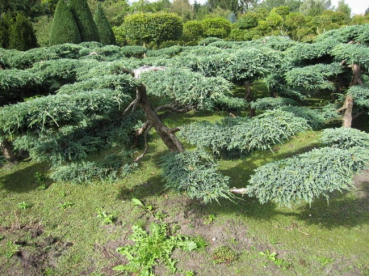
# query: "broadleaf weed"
152,248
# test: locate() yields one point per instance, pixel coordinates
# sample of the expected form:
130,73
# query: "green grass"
324,239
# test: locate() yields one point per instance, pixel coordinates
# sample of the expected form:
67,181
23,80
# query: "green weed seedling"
152,248
149,210
12,249
274,241
137,202
224,255
324,260
160,216
65,204
107,218
40,180
210,219
234,241
201,242
273,257
23,205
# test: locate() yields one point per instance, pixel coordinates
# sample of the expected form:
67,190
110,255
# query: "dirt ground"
33,253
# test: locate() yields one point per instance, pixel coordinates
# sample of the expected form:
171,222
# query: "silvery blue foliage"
307,176
244,134
195,173
345,138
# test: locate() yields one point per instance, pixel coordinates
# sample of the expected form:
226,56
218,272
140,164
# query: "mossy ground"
59,233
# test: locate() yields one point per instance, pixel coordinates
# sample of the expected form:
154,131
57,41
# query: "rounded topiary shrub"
157,27
248,21
192,30
216,27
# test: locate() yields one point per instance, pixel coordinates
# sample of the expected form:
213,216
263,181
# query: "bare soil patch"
28,251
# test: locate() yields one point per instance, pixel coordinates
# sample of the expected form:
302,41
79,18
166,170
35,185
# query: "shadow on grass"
153,187
344,209
177,120
23,180
347,209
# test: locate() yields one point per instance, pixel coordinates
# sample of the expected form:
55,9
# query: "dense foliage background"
247,20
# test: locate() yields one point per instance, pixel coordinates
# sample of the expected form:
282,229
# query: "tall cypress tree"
64,28
85,22
105,32
21,34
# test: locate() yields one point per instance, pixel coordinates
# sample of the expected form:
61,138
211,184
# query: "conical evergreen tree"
64,28
21,34
85,22
105,31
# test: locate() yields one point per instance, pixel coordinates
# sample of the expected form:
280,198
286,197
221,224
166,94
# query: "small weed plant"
145,208
23,205
273,257
149,210
65,205
12,249
325,261
224,255
107,218
40,180
210,219
152,248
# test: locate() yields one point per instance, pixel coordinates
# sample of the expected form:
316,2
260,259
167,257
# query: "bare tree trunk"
8,151
347,117
356,75
248,97
167,135
349,101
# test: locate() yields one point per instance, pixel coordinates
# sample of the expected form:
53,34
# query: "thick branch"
173,130
247,86
140,131
143,128
137,72
173,109
341,109
138,158
8,151
133,104
240,191
347,117
168,137
248,97
356,75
